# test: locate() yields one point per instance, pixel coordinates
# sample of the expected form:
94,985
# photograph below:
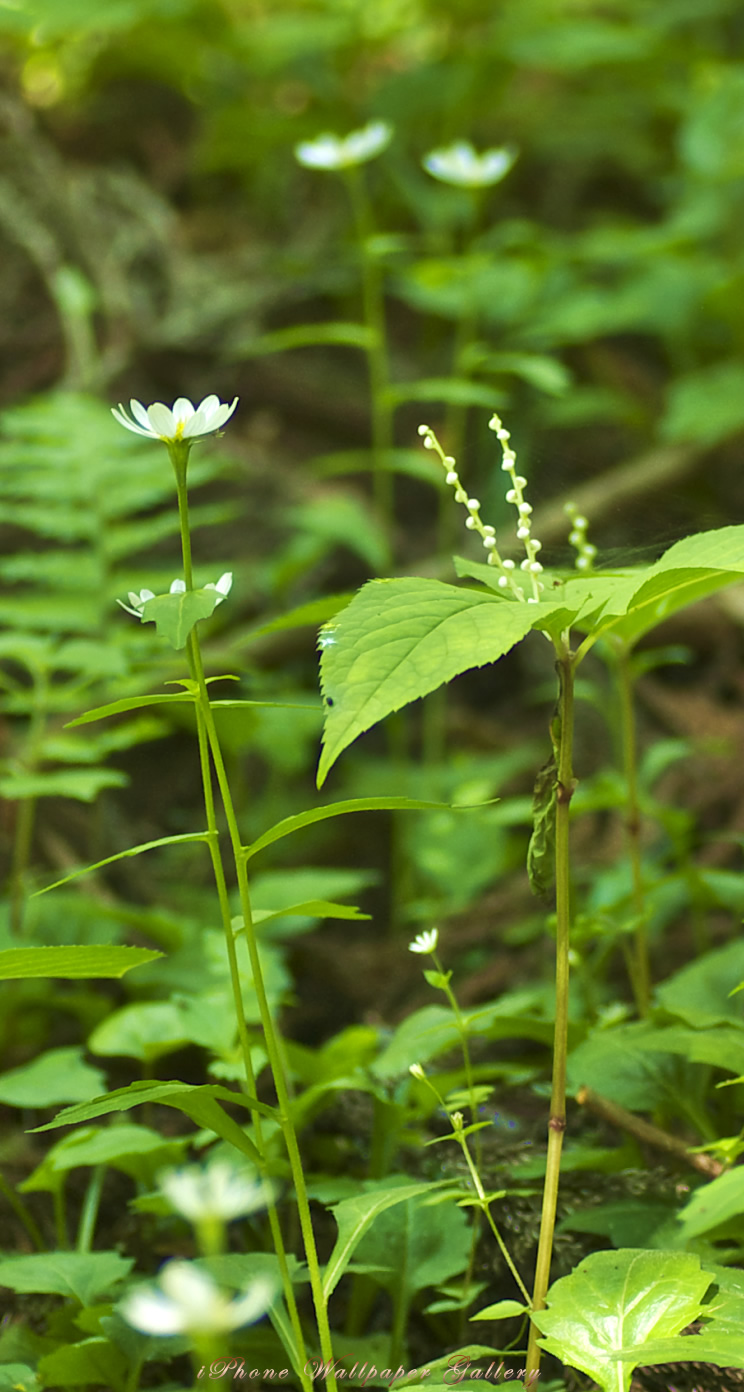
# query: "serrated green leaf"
83,1275
288,825
174,615
620,1300
398,640
70,963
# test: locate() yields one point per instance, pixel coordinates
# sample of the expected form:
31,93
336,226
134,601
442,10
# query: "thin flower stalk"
566,663
210,755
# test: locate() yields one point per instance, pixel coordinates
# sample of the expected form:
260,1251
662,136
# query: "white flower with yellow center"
460,164
189,1302
181,421
341,152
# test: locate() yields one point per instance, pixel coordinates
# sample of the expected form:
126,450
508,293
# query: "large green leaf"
713,1204
355,1216
92,1362
400,639
71,963
174,615
200,1103
414,1246
59,1075
83,1275
615,1301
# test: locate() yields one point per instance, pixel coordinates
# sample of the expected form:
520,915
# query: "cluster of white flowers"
530,565
187,1301
181,421
343,152
585,552
461,165
137,602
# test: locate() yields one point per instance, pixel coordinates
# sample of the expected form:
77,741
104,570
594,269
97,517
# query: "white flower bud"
523,533
489,542
473,504
503,582
452,478
470,523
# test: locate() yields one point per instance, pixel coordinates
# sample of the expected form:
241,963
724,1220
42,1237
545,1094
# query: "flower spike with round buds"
585,552
530,565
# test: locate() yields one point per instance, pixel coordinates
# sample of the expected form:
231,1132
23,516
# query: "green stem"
89,1213
209,745
640,975
373,300
22,1212
557,1123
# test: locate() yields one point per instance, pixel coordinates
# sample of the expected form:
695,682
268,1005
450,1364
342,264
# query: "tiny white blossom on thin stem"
137,602
342,152
188,1302
425,942
530,565
585,552
473,521
218,1191
460,164
181,421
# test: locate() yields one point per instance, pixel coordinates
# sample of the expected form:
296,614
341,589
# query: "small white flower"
425,942
189,1302
460,164
137,602
218,1191
341,152
181,421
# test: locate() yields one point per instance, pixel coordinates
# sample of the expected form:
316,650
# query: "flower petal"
162,421
123,419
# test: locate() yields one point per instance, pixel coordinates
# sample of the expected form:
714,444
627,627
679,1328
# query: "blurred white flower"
425,942
189,1302
461,164
341,152
181,421
137,602
218,1191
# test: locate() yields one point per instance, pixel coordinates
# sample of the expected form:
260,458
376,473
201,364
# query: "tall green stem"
557,1123
638,963
209,746
373,300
